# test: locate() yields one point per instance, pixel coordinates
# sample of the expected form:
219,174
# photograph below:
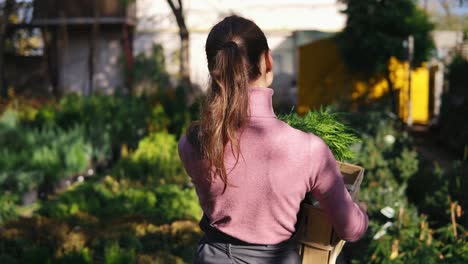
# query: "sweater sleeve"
327,186
181,148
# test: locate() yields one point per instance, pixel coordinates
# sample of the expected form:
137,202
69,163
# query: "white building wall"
277,18
74,63
109,74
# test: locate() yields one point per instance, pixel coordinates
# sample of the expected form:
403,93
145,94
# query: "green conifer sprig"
324,124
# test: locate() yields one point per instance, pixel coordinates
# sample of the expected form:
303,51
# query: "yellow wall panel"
323,79
420,95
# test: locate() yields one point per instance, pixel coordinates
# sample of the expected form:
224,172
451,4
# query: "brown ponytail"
233,48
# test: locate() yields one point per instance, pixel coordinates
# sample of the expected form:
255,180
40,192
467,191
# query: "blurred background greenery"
91,176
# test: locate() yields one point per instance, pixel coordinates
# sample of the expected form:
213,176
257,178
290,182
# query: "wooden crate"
319,243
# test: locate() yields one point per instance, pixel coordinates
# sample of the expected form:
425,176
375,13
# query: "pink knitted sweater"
278,166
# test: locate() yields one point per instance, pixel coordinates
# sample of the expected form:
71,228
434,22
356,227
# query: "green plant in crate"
325,124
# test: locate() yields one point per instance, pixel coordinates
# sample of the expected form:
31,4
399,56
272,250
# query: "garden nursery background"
94,96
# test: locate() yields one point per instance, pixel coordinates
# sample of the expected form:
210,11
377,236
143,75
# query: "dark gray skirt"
218,248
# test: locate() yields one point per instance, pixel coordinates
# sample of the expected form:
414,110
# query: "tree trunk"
49,35
93,48
185,58
62,56
127,36
7,10
392,91
184,34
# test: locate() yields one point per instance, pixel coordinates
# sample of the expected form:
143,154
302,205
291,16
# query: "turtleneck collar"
260,102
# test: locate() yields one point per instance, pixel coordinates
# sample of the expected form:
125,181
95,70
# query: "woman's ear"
268,61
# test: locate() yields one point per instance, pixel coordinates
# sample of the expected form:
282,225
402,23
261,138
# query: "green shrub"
149,71
116,255
33,157
452,120
179,111
109,121
122,239
175,203
82,256
36,254
440,189
394,172
7,207
6,259
112,198
107,199
155,161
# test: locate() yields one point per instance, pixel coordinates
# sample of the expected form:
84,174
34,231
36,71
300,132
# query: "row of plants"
142,215
35,160
415,209
122,240
452,121
42,144
139,206
135,211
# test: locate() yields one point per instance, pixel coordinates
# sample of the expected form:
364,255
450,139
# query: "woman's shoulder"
308,137
185,148
182,146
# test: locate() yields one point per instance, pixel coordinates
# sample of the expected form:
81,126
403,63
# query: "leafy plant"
375,32
108,121
149,71
155,161
426,228
452,121
122,239
116,255
324,124
113,198
82,256
7,207
33,157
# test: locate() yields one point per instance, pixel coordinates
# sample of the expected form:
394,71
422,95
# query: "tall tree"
184,70
6,11
376,30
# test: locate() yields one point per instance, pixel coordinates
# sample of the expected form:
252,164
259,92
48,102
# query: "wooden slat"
320,244
315,256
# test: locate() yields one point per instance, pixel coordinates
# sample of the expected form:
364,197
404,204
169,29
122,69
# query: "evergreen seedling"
324,124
